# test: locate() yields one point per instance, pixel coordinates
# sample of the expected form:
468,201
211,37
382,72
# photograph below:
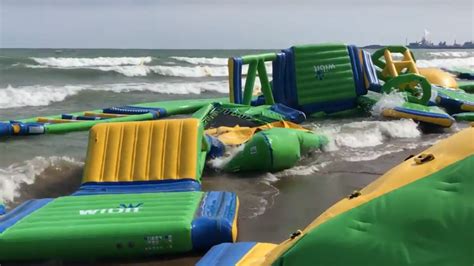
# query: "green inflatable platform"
113,226
140,197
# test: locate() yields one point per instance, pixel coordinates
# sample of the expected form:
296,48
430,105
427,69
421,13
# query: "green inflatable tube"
467,86
404,81
274,150
467,116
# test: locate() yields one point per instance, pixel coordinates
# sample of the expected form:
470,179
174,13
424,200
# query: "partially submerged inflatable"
140,197
328,78
271,147
418,213
141,194
436,86
306,79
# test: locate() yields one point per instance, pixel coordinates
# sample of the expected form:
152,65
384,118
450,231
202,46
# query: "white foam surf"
387,101
43,95
74,62
11,97
230,152
299,170
201,60
465,62
25,173
138,66
145,70
365,134
452,54
192,72
368,140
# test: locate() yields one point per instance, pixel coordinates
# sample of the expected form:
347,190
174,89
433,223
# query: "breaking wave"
466,62
368,140
137,66
145,70
201,60
43,95
25,173
74,62
368,133
452,54
193,72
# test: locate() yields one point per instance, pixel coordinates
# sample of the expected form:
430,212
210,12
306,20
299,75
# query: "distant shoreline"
372,46
377,46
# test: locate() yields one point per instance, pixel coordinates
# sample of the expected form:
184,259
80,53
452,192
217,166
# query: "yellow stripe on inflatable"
238,135
467,107
256,255
143,151
446,152
445,122
53,120
103,115
235,230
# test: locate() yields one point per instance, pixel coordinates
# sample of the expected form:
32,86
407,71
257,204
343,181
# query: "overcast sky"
228,24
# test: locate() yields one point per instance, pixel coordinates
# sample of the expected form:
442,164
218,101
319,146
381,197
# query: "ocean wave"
452,54
192,72
368,140
145,70
40,95
365,134
466,62
201,60
74,62
11,97
25,173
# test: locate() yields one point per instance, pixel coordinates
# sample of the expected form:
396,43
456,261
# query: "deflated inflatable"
271,147
418,213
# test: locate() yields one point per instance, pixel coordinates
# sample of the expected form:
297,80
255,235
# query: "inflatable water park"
141,195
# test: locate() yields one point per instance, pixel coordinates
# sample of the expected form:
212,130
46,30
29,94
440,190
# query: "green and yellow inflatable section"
333,77
141,188
140,197
418,213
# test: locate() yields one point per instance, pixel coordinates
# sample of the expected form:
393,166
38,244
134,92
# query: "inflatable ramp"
145,151
418,213
140,197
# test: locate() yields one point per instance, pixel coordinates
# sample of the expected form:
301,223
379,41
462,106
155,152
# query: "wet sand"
300,199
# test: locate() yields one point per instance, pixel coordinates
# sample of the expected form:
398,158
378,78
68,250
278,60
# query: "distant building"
424,43
427,44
